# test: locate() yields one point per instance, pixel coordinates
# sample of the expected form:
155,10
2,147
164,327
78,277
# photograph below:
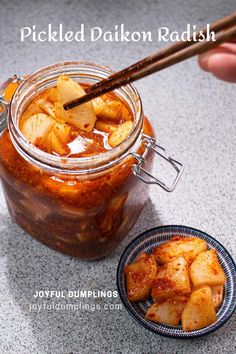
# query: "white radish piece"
37,127
57,138
46,106
98,105
105,126
120,134
83,116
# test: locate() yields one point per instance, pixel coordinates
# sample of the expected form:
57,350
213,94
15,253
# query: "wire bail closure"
147,177
3,103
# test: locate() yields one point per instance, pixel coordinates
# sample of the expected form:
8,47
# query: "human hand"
221,62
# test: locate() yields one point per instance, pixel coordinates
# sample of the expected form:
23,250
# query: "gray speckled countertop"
194,117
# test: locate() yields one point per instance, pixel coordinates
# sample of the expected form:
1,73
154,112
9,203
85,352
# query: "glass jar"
85,206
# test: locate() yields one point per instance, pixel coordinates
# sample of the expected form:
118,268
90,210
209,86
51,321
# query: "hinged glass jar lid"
113,180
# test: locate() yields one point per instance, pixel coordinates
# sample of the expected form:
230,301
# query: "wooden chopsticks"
225,30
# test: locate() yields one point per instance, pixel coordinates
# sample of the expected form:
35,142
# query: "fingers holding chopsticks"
221,61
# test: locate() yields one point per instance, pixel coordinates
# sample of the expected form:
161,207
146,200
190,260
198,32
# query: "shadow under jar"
83,206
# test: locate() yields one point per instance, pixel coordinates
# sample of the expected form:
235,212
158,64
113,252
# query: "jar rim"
83,165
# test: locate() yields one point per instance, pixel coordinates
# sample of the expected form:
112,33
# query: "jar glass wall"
83,207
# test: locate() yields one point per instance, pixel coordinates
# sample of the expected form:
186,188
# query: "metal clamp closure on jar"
140,172
3,103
